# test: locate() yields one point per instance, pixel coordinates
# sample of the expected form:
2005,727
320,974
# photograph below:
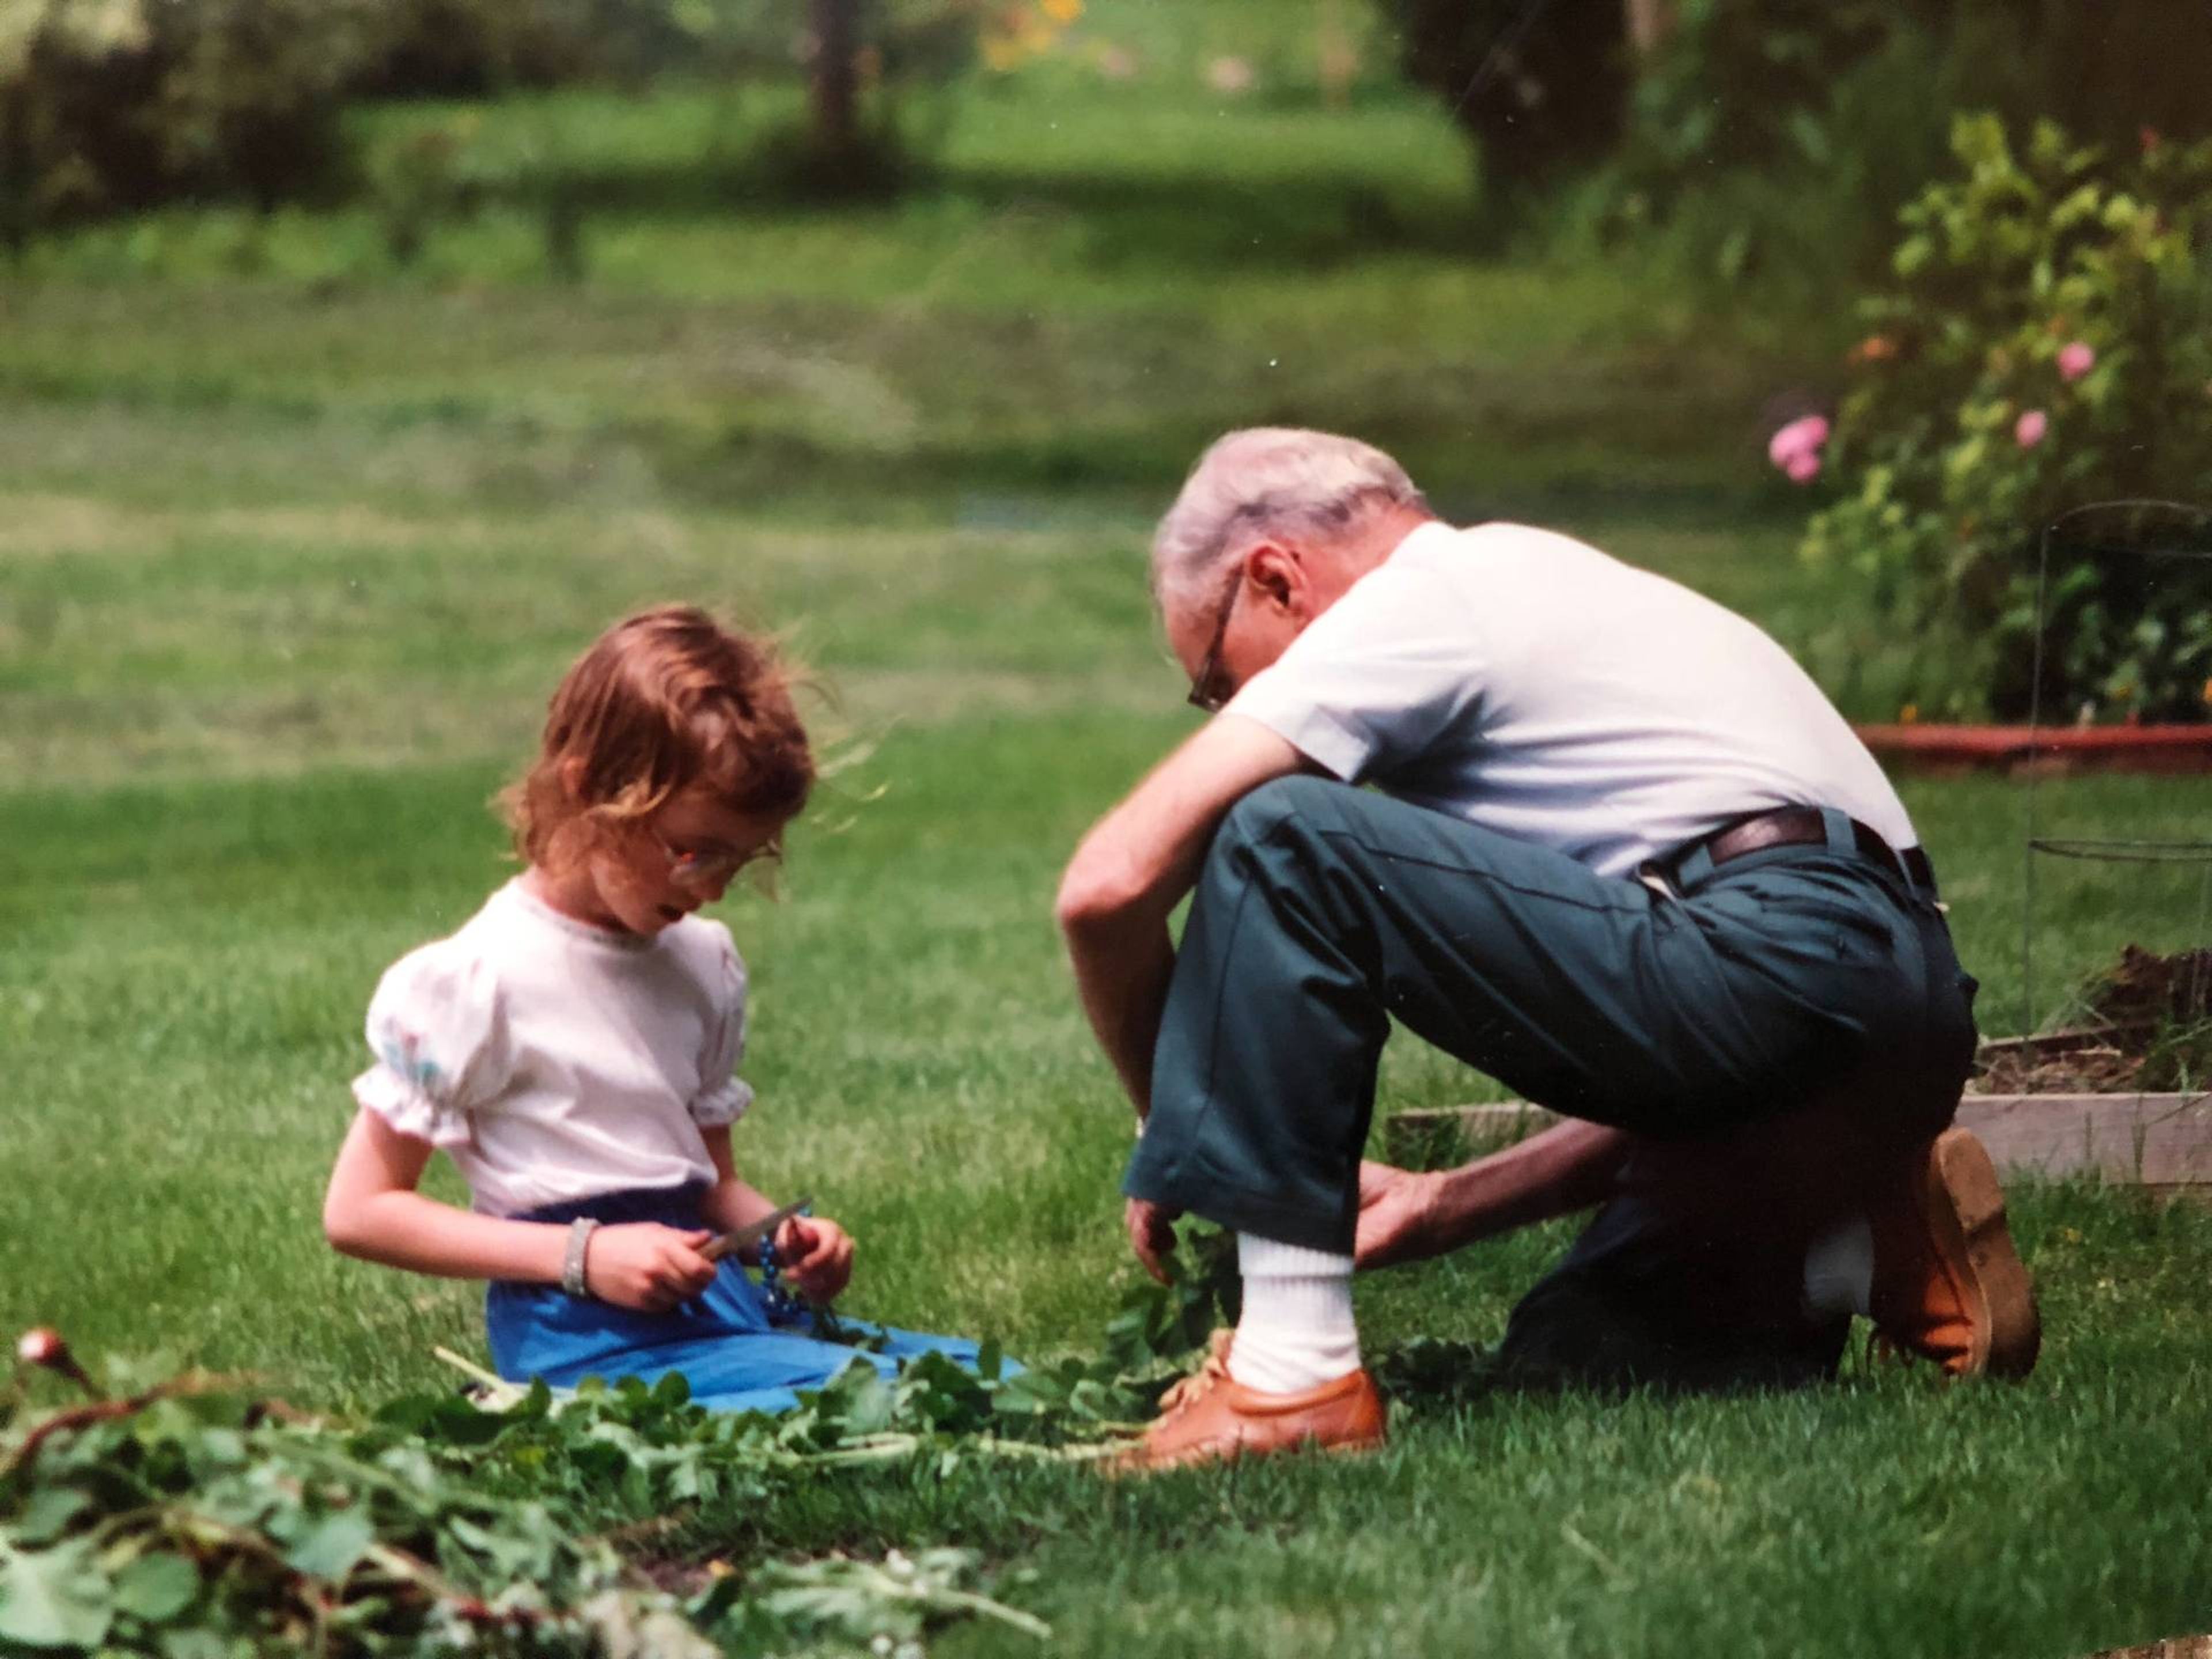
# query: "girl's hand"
645,1266
816,1257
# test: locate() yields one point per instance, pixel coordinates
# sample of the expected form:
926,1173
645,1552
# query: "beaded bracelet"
572,1264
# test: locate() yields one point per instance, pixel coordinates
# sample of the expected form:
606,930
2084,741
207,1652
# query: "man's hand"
645,1266
1397,1217
817,1257
1151,1235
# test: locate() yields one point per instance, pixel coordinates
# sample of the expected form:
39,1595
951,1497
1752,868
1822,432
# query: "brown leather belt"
1797,826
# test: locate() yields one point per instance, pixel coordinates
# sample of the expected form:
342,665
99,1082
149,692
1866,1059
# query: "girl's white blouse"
556,1061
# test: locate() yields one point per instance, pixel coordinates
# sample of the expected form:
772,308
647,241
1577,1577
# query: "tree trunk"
1649,23
836,85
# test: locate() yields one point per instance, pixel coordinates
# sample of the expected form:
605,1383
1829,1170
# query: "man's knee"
1279,809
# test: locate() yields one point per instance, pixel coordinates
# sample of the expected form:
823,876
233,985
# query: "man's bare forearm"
1122,966
1569,1167
1135,866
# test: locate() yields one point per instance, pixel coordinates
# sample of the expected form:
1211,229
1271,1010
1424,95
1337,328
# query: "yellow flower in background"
1021,32
2208,693
1909,715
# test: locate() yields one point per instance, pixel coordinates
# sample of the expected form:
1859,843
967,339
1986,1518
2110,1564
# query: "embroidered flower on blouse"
401,1049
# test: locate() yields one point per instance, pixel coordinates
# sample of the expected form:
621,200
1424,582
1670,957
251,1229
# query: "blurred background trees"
1780,132
112,105
1744,159
1540,90
1753,132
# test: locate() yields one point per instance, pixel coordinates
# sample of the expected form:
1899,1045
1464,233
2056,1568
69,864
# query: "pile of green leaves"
183,1516
1967,436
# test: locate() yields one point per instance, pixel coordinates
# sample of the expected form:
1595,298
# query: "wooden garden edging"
2164,748
2159,1141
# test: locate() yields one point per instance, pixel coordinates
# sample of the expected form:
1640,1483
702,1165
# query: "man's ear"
1276,571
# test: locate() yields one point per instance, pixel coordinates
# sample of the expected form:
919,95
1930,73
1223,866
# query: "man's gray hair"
1268,481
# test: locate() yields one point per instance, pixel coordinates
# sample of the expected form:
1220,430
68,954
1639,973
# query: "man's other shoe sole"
1969,1199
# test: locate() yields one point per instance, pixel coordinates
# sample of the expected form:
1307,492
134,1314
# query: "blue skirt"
722,1340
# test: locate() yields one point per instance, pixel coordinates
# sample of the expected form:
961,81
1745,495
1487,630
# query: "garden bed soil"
2146,1027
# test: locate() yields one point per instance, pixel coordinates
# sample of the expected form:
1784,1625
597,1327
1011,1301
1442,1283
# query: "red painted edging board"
2086,748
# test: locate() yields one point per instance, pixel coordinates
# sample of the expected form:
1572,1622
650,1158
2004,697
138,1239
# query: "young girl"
572,1046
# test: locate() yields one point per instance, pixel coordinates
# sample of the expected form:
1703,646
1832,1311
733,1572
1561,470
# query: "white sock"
1839,1269
1296,1332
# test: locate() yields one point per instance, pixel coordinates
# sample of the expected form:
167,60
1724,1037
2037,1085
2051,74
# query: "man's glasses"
1206,691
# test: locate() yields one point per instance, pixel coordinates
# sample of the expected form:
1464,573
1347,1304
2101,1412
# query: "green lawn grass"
292,547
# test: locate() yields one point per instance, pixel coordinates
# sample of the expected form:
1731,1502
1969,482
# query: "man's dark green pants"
1695,1011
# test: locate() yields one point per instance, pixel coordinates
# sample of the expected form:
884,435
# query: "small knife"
746,1236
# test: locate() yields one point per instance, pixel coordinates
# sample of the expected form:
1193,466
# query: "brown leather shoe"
1948,1284
1210,1417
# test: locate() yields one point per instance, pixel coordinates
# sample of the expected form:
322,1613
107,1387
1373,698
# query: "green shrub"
480,48
1739,84
117,104
2047,346
1775,139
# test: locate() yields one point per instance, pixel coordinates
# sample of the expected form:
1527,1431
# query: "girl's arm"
373,1210
731,1203
816,1253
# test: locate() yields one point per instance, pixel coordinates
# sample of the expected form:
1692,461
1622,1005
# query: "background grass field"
292,547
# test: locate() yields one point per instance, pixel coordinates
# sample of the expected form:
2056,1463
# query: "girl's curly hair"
664,700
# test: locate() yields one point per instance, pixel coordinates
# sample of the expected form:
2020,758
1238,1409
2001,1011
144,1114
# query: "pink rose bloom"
2074,361
1799,438
2028,430
1802,467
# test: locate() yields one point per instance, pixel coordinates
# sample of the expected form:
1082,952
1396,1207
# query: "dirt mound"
2143,1025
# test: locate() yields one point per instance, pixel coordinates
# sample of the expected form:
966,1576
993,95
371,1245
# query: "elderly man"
1619,854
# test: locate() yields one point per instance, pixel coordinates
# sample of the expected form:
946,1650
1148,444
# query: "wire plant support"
2142,529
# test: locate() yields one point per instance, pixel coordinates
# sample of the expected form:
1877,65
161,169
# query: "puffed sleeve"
723,1097
434,1026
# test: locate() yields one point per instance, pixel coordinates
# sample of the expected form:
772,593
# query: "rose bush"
2047,346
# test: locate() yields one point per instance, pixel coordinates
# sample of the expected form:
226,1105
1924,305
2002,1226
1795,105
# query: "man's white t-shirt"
554,1061
1526,681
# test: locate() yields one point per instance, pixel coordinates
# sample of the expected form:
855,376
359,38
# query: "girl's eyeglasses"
715,869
